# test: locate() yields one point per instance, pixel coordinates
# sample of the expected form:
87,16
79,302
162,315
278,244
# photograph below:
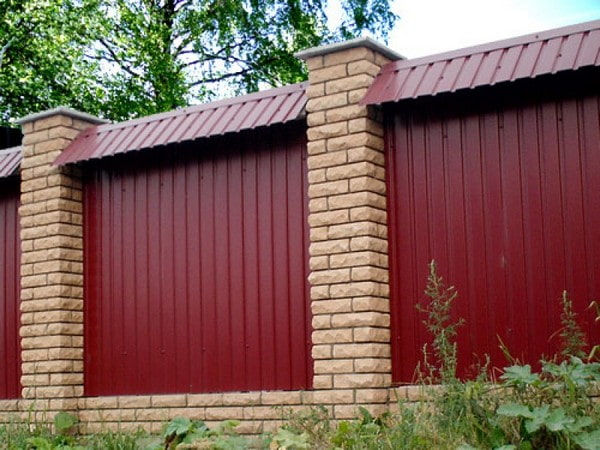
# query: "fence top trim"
10,161
245,112
562,49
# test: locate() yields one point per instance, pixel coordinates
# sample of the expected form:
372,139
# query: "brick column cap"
359,42
61,111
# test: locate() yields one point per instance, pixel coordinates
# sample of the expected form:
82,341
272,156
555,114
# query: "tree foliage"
126,58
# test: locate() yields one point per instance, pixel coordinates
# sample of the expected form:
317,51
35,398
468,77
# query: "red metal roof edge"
10,161
491,46
288,89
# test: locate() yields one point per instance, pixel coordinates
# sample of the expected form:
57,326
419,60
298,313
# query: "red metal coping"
246,112
561,49
10,161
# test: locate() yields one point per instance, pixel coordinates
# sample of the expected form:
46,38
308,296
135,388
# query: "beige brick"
152,414
357,95
205,399
316,118
66,379
328,130
241,398
52,121
371,153
319,292
367,184
352,54
323,381
328,218
317,176
356,289
363,198
40,136
331,72
316,147
329,247
371,243
353,170
360,380
328,159
314,62
373,365
365,124
319,262
63,132
368,213
168,400
318,234
363,66
336,396
349,83
315,90
331,306
369,334
332,336
367,350
326,102
53,145
364,258
321,351
321,322
262,412
281,398
334,366
370,273
327,188
360,319
329,276
352,229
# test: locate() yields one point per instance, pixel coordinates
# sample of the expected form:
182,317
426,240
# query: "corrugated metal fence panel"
507,202
10,354
196,268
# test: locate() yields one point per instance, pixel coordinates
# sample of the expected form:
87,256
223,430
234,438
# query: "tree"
126,58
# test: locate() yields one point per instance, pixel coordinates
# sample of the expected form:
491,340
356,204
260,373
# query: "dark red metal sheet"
196,267
505,199
10,251
273,106
10,161
563,49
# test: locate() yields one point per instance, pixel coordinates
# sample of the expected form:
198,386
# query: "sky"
432,26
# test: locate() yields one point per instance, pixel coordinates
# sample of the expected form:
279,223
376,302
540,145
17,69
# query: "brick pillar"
51,262
348,231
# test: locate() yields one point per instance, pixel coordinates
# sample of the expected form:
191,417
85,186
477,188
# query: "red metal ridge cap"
245,112
10,161
528,56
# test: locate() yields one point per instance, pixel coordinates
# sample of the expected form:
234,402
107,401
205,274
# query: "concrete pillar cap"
61,111
350,44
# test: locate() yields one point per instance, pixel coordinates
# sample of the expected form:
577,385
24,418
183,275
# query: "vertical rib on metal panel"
10,251
196,268
506,201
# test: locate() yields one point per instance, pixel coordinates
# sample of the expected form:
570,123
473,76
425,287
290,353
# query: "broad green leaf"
588,441
514,410
557,420
519,375
580,424
538,418
64,421
179,426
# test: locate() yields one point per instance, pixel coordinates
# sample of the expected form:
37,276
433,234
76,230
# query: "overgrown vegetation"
553,408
